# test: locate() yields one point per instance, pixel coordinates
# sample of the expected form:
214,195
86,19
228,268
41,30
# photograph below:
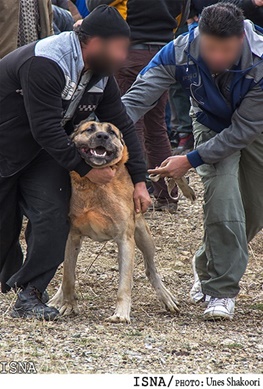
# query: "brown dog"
107,213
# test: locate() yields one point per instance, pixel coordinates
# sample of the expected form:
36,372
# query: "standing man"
153,24
22,22
220,66
47,88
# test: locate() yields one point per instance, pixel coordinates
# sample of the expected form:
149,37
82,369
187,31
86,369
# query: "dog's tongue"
100,150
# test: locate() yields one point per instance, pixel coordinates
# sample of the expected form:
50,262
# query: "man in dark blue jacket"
220,66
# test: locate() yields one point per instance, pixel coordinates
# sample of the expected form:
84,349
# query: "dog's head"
100,144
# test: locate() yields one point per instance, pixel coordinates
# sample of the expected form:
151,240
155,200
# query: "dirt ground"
155,341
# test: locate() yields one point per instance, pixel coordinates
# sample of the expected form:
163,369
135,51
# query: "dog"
105,213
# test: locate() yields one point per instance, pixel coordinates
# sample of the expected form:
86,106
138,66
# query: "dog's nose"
102,135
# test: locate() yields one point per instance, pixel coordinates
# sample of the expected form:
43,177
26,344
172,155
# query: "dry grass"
154,342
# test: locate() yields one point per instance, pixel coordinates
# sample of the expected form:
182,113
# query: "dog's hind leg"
65,299
126,246
145,243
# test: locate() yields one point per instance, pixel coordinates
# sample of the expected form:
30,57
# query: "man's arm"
74,10
42,82
247,124
112,110
151,83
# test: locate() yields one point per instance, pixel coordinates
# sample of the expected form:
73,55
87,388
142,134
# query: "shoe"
220,309
185,145
29,304
45,297
163,206
174,138
196,294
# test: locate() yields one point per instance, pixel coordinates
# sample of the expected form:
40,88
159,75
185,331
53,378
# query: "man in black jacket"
46,88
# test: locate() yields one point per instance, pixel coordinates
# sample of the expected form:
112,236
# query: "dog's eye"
88,130
111,132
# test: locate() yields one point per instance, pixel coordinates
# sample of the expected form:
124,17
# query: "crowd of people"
190,77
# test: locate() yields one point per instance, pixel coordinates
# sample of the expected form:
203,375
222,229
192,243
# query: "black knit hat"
105,22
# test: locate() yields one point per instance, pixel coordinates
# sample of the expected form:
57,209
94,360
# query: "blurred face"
220,53
105,56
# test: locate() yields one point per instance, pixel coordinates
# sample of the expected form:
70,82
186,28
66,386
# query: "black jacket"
150,20
35,92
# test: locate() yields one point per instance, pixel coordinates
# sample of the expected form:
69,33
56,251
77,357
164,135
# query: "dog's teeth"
94,152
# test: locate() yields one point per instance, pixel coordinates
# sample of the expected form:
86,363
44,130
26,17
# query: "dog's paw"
57,300
65,307
69,308
169,301
118,319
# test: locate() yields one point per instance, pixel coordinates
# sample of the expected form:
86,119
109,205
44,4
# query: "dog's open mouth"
98,152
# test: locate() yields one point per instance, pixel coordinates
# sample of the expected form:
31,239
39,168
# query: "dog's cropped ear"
122,139
76,128
110,128
75,131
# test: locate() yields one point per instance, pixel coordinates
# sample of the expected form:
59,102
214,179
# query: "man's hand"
141,198
77,24
174,167
258,3
101,176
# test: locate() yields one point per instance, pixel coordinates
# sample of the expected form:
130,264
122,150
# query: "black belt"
147,46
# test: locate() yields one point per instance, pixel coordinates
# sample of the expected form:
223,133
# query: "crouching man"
220,66
46,88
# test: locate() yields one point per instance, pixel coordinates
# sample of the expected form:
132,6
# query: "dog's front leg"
126,246
65,299
145,243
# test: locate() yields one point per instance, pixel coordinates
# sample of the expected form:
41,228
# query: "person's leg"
125,78
180,104
157,144
45,196
154,139
174,118
222,260
11,256
251,186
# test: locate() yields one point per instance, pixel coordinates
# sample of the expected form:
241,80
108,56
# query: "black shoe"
30,305
174,138
163,205
45,297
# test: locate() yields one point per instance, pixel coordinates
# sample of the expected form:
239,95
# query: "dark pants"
180,107
41,192
181,121
151,129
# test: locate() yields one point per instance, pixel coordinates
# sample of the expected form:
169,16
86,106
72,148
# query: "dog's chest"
101,213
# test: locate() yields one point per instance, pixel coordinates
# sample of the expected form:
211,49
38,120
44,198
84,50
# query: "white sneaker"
196,294
220,309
